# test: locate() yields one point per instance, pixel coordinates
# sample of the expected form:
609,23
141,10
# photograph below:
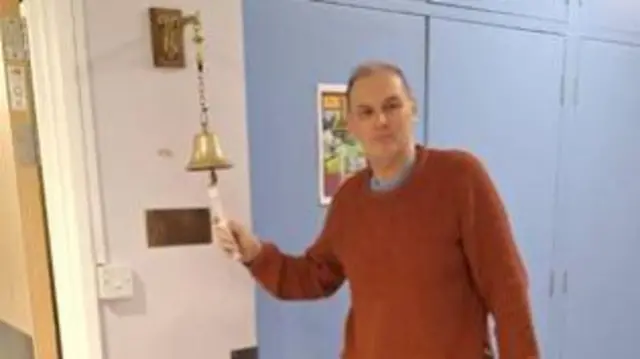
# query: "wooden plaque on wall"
167,37
176,227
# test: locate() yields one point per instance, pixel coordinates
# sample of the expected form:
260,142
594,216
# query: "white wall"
190,302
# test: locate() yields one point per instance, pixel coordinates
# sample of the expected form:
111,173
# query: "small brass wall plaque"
167,37
178,227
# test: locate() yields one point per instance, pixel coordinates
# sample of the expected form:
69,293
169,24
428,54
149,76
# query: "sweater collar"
386,185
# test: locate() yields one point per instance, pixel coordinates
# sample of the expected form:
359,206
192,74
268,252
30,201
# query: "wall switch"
115,282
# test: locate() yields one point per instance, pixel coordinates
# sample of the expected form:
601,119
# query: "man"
420,234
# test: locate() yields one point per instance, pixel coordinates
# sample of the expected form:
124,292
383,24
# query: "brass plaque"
167,37
178,227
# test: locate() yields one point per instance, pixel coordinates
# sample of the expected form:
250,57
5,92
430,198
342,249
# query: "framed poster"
339,154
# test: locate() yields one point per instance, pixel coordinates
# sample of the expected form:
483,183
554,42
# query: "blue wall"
553,114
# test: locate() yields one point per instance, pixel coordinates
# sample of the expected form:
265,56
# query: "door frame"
57,37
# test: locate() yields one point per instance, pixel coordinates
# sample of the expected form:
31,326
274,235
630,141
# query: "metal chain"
198,39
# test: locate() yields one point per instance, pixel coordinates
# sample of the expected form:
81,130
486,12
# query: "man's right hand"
232,237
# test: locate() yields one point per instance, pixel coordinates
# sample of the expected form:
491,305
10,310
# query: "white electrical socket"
115,282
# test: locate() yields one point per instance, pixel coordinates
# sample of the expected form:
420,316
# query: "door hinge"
552,283
576,90
562,90
563,75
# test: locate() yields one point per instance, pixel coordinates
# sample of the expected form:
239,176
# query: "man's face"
381,115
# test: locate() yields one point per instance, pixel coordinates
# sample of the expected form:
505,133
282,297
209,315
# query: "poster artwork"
340,155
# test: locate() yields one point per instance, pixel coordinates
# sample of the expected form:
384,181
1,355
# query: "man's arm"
496,265
316,274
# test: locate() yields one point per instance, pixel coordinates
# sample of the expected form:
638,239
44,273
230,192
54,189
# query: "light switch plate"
115,282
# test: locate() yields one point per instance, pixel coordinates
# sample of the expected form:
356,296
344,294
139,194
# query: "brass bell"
207,154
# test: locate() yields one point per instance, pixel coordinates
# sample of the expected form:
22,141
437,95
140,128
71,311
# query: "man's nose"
381,119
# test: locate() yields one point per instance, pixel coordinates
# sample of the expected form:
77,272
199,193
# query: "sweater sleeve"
495,263
315,274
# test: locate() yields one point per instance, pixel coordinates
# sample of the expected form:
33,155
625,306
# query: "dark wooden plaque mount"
178,227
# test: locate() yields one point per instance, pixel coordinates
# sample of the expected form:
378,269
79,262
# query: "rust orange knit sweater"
426,262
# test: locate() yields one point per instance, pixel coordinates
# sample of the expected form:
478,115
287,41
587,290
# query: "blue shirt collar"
386,185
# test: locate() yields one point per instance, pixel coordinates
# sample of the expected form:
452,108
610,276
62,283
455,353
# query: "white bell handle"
217,215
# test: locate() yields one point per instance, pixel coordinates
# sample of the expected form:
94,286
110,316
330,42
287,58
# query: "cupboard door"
600,205
496,91
291,46
618,15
